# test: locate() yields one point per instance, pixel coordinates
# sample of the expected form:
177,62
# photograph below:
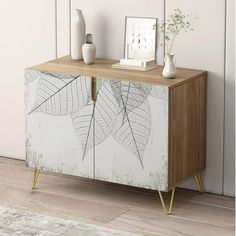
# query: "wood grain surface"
102,69
187,130
115,206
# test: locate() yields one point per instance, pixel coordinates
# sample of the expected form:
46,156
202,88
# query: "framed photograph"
140,38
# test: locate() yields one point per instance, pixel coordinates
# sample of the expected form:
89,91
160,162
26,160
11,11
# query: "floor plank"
167,225
57,204
112,205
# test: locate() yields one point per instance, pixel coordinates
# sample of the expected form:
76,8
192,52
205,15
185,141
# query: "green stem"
171,45
173,39
167,48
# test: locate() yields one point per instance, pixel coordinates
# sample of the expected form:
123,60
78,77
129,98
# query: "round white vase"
89,50
169,71
78,31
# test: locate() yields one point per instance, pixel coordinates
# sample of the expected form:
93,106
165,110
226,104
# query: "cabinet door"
131,132
59,123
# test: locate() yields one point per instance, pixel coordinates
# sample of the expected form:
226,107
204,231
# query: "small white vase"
169,71
77,34
89,50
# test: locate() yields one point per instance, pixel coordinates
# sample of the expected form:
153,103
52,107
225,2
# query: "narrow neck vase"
78,31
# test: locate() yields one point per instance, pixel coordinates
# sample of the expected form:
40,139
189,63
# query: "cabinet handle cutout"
93,89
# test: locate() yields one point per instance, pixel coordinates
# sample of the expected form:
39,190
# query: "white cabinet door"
59,123
131,133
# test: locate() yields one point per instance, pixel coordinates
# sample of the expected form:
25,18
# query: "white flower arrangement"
175,23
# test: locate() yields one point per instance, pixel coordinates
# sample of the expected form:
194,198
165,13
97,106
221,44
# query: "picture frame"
140,38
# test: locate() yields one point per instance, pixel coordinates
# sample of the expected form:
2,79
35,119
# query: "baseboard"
12,157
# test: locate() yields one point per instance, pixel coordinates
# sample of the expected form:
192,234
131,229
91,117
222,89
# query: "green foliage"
175,23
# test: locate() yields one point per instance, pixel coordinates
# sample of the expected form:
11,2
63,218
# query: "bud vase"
77,34
169,71
89,50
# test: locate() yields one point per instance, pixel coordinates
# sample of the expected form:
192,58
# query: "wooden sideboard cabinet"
127,127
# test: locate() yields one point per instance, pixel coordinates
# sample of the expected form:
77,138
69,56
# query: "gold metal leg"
35,177
199,182
167,211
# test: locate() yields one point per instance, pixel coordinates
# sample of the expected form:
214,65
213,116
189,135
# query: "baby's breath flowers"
175,23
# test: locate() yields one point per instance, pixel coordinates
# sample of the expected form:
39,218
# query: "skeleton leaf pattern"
121,109
103,112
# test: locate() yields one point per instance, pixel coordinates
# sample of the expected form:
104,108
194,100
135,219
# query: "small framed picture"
140,38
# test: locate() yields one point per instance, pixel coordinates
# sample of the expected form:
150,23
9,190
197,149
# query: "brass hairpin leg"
199,182
167,211
35,177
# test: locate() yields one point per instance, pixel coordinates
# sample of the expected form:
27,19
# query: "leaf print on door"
136,151
101,114
133,129
61,94
121,109
133,123
111,138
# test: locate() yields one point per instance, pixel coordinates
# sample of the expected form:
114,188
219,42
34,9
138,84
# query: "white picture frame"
140,40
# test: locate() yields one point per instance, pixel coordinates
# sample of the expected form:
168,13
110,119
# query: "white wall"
204,49
105,20
211,47
229,127
28,37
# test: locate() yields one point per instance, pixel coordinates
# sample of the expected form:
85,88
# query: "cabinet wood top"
102,69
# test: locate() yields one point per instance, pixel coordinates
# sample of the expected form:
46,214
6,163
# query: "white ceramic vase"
89,50
78,31
169,71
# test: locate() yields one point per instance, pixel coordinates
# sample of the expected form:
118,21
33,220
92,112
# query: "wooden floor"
114,206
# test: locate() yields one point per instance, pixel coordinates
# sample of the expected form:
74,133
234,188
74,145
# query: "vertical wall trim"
70,26
56,29
164,19
225,32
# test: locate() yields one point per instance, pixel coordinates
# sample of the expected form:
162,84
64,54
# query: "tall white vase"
169,71
78,32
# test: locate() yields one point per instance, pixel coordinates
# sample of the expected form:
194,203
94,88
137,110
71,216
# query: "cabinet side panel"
187,130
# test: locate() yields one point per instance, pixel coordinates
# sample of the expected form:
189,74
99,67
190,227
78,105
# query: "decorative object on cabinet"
125,127
140,44
140,38
146,67
169,71
175,23
89,50
78,31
